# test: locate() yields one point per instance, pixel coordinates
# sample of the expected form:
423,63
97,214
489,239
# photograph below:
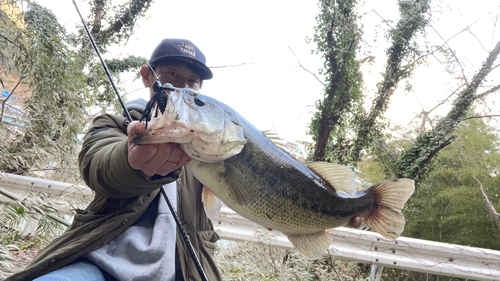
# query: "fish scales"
288,195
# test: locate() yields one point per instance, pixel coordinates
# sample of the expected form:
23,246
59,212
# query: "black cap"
183,50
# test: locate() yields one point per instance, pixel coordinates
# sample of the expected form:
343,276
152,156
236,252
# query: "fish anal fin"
390,198
311,245
240,186
341,177
211,203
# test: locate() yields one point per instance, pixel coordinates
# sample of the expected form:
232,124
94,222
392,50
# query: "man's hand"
160,159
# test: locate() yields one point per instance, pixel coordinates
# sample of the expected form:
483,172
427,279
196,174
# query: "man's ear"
145,74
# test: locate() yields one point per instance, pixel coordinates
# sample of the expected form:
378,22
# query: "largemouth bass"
239,165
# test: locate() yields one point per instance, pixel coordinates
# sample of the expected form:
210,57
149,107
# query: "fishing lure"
158,102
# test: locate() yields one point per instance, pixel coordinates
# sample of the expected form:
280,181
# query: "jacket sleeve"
104,165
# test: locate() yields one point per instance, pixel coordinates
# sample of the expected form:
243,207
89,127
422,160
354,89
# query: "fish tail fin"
390,198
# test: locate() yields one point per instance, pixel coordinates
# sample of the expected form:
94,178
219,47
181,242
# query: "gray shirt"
146,250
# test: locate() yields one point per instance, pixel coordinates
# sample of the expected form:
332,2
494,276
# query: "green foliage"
401,60
372,171
414,162
130,63
14,218
380,164
63,80
448,206
341,128
43,59
114,28
102,93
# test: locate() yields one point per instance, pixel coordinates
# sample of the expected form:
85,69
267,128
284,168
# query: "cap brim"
203,71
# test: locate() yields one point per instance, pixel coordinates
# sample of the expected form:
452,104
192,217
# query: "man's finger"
176,154
183,161
163,152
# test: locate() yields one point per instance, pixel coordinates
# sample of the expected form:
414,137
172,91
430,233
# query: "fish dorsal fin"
211,203
277,141
338,176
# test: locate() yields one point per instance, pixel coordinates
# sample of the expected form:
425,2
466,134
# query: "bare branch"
223,66
480,116
456,58
445,42
306,68
425,115
385,21
441,103
477,40
331,264
7,98
468,29
495,66
482,95
491,210
10,41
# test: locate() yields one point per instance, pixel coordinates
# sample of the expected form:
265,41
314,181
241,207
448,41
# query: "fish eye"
199,101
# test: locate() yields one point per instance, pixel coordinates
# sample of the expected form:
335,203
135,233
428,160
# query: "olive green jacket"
122,195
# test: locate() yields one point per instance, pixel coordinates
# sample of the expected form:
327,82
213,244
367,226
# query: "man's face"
179,75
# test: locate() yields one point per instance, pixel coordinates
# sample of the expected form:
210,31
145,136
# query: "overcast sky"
270,89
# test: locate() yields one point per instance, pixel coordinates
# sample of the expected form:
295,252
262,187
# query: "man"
127,231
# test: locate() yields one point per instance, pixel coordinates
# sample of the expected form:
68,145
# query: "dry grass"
240,261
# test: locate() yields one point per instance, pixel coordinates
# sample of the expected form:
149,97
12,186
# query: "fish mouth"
165,131
206,132
197,144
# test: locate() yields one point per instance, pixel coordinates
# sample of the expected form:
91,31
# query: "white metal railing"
351,244
61,193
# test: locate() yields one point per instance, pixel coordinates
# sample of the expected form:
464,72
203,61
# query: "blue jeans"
80,270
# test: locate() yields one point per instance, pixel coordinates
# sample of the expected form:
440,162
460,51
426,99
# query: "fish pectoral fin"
311,245
341,177
211,203
240,186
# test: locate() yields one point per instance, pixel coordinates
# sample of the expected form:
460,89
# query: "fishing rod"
161,99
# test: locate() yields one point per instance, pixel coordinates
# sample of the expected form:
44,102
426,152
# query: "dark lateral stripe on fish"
340,211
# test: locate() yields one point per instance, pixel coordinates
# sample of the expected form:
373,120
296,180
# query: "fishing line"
158,88
151,67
